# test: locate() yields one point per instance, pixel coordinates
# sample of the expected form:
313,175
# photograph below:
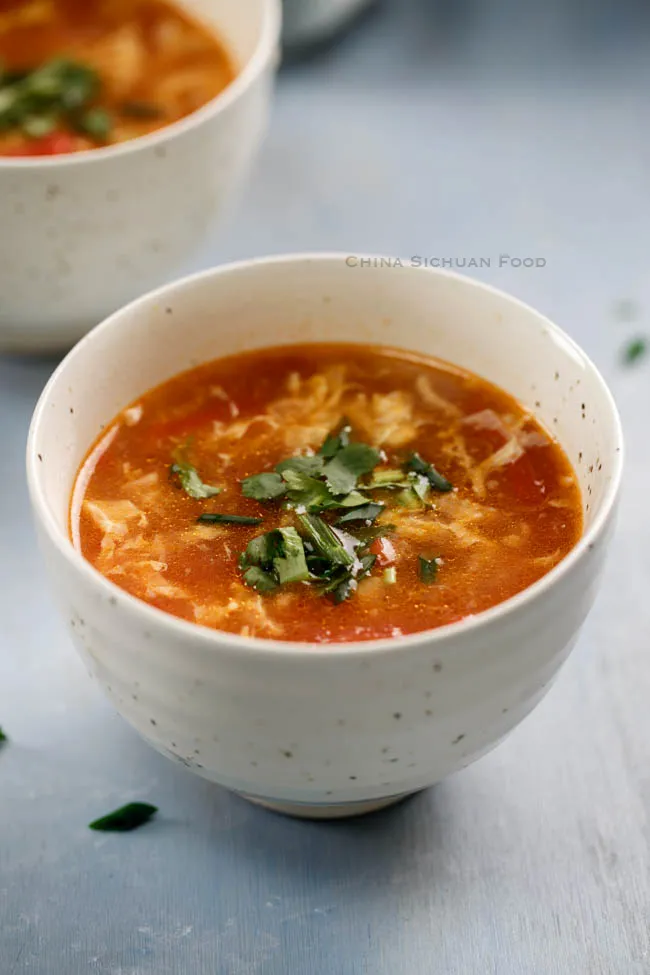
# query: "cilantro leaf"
348,465
3,736
258,579
125,818
291,565
302,465
263,487
428,569
261,551
190,480
365,512
337,440
435,479
215,518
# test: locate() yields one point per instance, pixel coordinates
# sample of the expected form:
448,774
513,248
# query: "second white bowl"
82,234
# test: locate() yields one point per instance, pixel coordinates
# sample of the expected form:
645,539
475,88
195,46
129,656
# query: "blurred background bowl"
86,232
310,22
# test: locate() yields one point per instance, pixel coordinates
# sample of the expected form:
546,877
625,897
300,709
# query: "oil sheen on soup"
325,493
81,74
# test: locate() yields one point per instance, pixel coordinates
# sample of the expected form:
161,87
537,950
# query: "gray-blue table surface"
436,130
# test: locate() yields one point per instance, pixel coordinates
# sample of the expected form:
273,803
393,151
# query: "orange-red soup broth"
115,70
487,507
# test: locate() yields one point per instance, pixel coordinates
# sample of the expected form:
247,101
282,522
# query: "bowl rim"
225,641
266,47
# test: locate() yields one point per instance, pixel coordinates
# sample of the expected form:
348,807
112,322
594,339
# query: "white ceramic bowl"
324,730
81,234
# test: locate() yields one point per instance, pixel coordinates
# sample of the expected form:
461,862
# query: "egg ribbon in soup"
80,74
325,493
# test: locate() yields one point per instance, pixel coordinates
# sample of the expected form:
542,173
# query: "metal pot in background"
308,24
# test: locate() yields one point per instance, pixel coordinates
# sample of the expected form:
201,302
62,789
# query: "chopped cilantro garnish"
328,492
428,569
346,467
635,350
263,487
307,492
291,565
216,518
125,818
337,440
190,480
278,558
301,465
261,550
3,736
259,580
436,480
365,512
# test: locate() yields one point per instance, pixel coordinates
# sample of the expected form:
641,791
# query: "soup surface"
325,493
79,74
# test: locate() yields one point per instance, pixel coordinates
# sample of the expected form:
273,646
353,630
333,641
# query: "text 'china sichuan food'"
325,493
82,74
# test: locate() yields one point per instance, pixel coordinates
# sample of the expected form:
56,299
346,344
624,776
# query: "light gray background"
443,129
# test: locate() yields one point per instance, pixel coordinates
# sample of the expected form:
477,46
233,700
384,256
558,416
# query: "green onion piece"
125,818
190,480
326,543
435,479
263,487
96,122
420,486
38,126
409,499
291,565
258,579
428,569
215,518
71,83
387,478
390,575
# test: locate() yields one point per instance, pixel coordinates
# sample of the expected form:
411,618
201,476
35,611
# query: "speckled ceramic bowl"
82,234
311,729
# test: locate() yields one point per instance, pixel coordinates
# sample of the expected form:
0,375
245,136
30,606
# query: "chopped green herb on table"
635,350
124,819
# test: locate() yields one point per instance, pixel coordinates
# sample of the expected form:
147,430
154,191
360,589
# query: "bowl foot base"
341,810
